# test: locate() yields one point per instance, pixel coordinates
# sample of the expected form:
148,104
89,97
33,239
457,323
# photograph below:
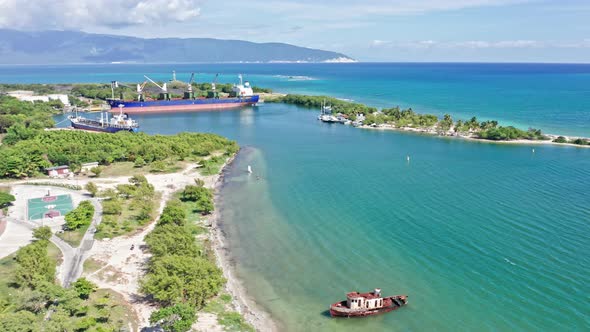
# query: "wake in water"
509,261
296,78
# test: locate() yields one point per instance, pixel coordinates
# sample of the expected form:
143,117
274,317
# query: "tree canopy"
6,199
28,155
80,216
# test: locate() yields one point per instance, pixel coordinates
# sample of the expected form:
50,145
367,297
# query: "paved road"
75,265
73,258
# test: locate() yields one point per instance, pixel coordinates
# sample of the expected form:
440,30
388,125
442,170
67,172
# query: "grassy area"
127,167
112,307
229,319
119,169
91,265
73,237
127,222
211,165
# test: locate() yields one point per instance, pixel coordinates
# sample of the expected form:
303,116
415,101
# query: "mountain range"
60,47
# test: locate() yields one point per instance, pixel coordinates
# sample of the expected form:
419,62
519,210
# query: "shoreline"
245,305
470,138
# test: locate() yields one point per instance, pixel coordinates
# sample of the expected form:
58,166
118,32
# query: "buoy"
249,169
533,150
408,158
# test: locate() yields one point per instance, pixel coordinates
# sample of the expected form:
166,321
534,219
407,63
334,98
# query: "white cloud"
346,9
81,14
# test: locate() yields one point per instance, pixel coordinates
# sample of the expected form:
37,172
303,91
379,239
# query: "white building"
25,95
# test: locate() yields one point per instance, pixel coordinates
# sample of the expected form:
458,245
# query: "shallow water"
480,236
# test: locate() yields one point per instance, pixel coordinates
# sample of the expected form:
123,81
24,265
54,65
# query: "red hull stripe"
179,108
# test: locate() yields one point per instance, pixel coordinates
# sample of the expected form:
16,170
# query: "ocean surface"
482,237
552,97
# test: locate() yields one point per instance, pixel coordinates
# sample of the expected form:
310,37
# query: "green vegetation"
34,267
28,157
92,188
229,319
257,89
42,233
77,223
177,318
40,89
201,197
127,208
233,321
6,199
31,301
399,118
510,133
80,216
581,141
212,165
21,120
84,288
55,184
338,106
577,141
179,262
96,171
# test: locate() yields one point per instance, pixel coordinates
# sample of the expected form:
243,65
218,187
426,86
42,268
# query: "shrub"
80,216
92,188
96,171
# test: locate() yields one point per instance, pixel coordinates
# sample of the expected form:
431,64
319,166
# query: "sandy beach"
244,304
432,132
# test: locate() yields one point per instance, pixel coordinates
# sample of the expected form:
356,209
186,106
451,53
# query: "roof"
370,295
55,168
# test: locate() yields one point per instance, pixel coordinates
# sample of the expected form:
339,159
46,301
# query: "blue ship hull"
105,129
180,105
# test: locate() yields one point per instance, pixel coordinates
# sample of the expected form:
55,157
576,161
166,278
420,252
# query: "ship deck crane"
190,83
139,88
164,88
214,82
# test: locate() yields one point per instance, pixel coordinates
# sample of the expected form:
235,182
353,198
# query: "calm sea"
482,237
552,97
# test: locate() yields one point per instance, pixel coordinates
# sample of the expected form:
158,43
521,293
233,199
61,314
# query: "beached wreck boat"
367,304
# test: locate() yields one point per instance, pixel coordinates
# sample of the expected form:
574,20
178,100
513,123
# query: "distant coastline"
366,117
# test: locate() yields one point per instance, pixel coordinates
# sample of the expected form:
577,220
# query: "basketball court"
49,206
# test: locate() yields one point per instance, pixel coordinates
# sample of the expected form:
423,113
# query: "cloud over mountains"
78,14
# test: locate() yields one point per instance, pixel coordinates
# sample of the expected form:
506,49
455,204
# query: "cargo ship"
367,304
116,123
242,95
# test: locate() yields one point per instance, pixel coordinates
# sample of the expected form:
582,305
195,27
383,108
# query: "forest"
28,155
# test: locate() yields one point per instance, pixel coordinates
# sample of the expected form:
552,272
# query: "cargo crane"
139,89
213,93
189,94
164,94
214,82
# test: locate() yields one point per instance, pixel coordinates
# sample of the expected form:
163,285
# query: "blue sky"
371,30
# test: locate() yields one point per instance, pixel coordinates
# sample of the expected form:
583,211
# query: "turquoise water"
552,97
481,236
